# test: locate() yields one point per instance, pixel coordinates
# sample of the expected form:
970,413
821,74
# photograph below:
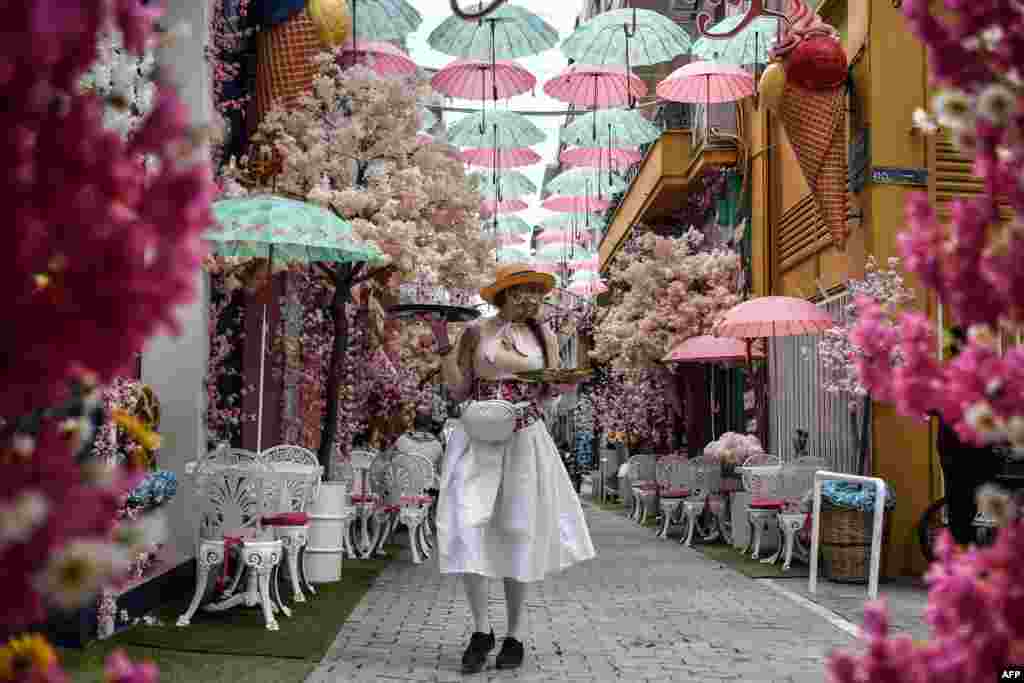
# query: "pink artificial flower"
120,669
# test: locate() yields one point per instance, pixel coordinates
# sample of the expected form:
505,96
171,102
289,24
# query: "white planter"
325,550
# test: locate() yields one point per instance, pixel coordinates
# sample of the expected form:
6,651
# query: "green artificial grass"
305,635
731,557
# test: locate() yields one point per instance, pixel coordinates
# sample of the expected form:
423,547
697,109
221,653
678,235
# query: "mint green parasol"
749,46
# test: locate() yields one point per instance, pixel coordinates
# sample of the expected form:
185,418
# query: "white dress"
537,526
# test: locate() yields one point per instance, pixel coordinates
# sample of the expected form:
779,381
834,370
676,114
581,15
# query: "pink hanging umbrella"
499,158
473,79
511,240
774,316
424,139
595,86
576,204
590,265
493,207
383,58
708,349
600,157
708,83
591,288
564,237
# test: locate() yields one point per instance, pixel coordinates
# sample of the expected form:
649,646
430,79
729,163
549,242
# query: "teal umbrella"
565,221
271,227
511,224
427,119
508,184
610,128
509,32
585,182
627,36
564,252
511,254
749,46
388,20
495,129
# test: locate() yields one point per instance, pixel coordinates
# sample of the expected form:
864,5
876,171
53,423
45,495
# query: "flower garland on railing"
973,264
59,537
699,204
225,392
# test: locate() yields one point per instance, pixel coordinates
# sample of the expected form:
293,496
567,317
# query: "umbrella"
384,58
576,204
512,254
267,226
749,46
585,276
513,240
514,225
509,32
600,157
585,181
627,36
595,86
474,79
563,237
706,82
706,348
512,185
381,20
427,119
588,264
564,252
610,127
491,207
591,288
424,139
774,316
499,158
503,130
560,221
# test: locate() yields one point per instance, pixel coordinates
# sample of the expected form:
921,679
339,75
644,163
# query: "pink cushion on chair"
286,519
767,503
391,508
675,493
362,498
645,485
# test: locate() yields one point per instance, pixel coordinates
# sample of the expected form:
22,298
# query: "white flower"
983,421
953,109
924,122
20,519
997,103
78,570
144,533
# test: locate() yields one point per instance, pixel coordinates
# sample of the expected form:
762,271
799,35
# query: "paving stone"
643,610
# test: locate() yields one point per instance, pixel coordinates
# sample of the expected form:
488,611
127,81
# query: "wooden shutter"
802,233
951,176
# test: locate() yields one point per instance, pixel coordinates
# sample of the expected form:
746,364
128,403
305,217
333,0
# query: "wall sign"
859,158
888,175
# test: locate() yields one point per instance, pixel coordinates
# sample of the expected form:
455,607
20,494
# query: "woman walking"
507,507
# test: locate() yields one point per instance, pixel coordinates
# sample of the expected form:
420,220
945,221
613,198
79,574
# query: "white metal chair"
675,480
233,502
294,491
343,472
761,475
707,477
385,511
796,480
364,500
642,482
413,476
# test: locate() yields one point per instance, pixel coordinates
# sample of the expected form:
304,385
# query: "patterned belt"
513,392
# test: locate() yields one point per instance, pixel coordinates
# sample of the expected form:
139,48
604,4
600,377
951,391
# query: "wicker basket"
284,67
846,542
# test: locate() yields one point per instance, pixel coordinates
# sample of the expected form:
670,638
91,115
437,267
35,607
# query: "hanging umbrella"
707,82
774,316
595,86
503,130
588,264
499,158
610,127
636,37
585,181
564,252
576,204
475,79
749,46
382,20
513,255
512,184
600,157
491,207
706,348
591,288
385,59
561,221
424,139
271,227
584,276
513,225
513,240
427,119
564,237
509,32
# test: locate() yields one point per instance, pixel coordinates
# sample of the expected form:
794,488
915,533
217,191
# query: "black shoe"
475,656
511,655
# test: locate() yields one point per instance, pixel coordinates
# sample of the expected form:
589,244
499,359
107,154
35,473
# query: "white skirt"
537,527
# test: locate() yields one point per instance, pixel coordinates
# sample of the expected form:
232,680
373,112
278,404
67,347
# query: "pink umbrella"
600,157
707,82
590,265
774,316
552,268
472,79
511,240
492,207
424,139
563,237
383,58
591,288
708,349
576,204
595,86
499,158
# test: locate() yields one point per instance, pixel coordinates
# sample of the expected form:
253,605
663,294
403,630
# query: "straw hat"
511,274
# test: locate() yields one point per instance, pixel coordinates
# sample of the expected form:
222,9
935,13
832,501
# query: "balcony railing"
725,126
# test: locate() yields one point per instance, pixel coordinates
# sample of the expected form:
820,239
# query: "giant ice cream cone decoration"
813,111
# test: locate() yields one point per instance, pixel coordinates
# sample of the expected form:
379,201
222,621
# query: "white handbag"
490,421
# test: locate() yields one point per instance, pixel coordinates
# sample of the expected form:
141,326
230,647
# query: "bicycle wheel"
934,520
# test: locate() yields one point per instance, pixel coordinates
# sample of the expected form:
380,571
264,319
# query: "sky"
561,14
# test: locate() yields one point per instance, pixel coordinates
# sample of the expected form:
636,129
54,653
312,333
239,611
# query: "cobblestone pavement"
643,610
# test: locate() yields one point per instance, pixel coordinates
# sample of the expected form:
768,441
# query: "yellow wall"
890,82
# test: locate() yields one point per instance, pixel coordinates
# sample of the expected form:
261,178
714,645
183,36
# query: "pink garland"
224,413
